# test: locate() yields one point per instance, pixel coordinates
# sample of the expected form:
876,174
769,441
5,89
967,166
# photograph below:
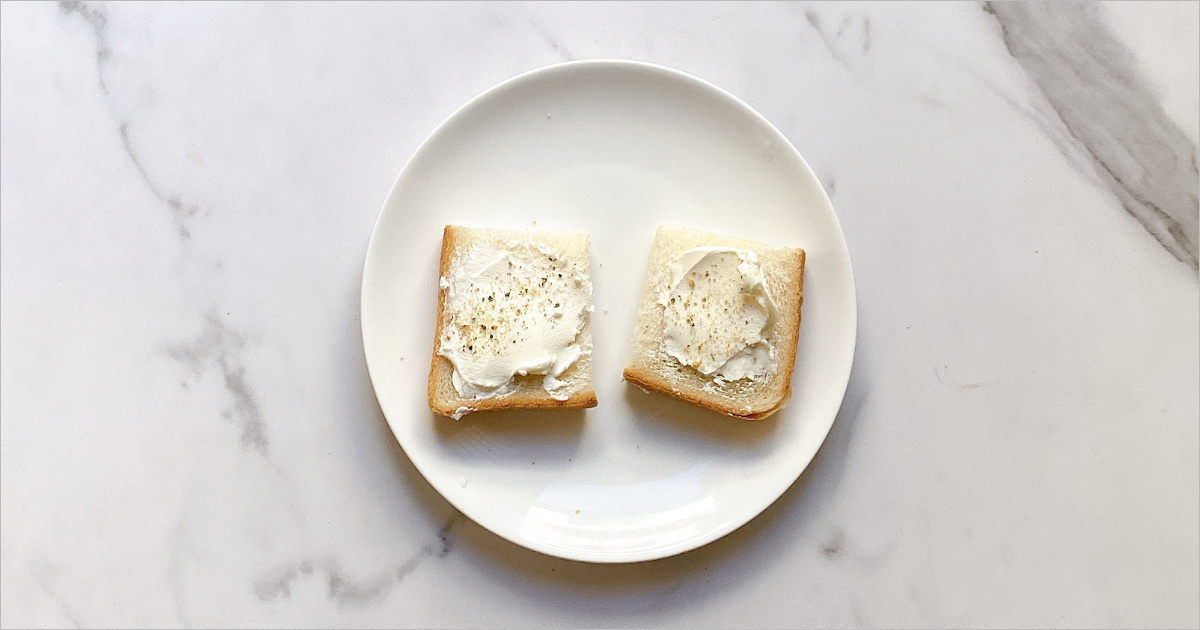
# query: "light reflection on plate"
650,514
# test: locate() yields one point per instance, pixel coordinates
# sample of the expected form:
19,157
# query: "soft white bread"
651,367
571,248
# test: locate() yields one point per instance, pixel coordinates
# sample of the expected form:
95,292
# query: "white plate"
614,148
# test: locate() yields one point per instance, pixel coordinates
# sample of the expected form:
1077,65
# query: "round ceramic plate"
614,148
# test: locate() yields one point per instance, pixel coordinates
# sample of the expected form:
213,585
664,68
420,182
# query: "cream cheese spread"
716,311
512,311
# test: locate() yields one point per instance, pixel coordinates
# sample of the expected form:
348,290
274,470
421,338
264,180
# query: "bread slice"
576,385
652,368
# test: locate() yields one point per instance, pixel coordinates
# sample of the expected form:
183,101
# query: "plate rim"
616,63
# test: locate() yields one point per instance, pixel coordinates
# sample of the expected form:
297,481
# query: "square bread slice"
507,317
723,327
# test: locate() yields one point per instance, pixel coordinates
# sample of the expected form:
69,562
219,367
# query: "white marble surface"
189,437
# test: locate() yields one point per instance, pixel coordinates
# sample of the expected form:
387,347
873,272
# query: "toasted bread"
652,368
527,391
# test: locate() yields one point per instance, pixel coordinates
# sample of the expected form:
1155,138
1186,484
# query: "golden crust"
435,373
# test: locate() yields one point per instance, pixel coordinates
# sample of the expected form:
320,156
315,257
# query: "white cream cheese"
716,310
512,311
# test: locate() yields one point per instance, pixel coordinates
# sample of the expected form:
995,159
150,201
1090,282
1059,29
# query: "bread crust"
786,340
530,394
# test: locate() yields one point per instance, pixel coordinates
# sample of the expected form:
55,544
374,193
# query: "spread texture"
510,312
715,311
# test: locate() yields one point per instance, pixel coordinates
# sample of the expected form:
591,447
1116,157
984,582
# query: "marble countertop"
189,436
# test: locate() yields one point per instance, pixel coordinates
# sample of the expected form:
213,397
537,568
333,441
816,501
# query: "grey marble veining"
96,18
1093,83
347,590
219,346
850,36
